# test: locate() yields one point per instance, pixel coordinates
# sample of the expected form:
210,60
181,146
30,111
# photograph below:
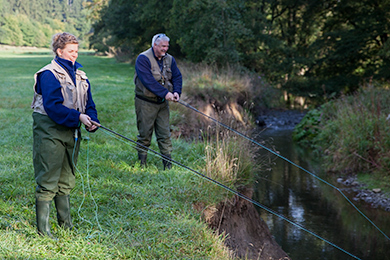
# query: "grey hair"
159,37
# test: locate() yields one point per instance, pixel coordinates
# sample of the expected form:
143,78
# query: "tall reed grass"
226,95
229,160
353,133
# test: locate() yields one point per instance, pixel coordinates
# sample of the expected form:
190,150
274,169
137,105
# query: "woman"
62,101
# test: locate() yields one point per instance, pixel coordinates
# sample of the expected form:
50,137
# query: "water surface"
318,207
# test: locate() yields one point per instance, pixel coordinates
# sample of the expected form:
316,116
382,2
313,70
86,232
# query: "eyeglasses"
160,35
156,37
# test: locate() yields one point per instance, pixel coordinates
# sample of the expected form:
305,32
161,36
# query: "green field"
120,210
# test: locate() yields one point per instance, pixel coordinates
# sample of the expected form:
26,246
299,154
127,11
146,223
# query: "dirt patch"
195,122
248,235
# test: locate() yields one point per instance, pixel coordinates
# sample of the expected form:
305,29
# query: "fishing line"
138,145
82,183
287,160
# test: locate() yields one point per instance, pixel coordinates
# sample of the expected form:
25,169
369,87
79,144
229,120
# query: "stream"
313,204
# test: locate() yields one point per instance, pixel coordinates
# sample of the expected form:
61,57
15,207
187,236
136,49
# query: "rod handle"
96,123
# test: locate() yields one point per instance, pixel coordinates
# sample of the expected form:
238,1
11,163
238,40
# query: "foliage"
127,26
352,45
214,41
314,49
308,129
352,132
32,23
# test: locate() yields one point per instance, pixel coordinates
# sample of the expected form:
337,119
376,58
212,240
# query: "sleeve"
144,73
177,80
50,88
90,109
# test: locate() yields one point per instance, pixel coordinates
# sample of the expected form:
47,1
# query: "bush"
351,132
308,128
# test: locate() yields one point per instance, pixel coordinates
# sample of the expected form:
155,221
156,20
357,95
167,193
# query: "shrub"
351,132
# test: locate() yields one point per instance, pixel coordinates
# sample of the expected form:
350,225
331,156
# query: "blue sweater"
144,73
50,89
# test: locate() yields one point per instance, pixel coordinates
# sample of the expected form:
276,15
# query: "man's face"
161,48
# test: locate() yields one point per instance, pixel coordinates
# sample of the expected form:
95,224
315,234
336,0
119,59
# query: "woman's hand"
86,120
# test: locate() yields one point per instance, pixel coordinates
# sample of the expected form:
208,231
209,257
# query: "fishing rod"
284,158
226,187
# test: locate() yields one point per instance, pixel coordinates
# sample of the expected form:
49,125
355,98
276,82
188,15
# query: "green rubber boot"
63,211
42,209
167,162
142,158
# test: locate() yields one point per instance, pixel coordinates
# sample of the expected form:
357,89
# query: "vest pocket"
167,74
82,97
69,94
84,88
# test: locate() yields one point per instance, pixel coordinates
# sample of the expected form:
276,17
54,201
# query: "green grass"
375,181
120,210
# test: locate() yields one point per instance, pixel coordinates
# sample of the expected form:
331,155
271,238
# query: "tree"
127,26
317,49
353,41
32,23
208,30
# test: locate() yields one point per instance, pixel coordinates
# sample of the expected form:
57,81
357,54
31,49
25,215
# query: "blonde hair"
59,41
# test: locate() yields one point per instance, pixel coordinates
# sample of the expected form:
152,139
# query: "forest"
315,49
32,23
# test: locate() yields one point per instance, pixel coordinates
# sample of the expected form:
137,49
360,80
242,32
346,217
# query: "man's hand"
172,97
169,96
176,97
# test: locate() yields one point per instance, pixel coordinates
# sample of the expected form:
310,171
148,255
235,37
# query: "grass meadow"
120,210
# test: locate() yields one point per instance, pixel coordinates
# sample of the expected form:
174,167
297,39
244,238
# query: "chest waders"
55,152
153,112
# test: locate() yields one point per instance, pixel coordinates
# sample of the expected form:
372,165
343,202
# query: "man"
157,80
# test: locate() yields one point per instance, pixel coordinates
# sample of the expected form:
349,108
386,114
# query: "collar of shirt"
160,62
69,67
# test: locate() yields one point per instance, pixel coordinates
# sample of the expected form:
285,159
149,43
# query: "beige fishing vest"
75,97
163,77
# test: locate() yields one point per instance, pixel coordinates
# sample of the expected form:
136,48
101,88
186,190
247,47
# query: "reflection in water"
318,207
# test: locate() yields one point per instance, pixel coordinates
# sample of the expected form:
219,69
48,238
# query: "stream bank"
375,198
247,234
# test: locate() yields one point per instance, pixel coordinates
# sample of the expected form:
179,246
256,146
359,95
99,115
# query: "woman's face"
70,52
